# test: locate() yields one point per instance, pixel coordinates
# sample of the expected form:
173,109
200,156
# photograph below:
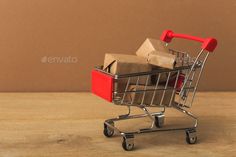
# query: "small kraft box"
152,96
156,54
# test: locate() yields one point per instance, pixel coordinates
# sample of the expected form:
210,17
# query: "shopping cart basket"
176,91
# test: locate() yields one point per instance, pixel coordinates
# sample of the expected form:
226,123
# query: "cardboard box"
137,97
162,59
163,78
156,53
149,46
126,64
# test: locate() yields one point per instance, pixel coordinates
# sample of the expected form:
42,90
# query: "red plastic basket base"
102,85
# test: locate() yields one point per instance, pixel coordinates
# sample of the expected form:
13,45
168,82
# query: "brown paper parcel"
126,64
149,46
120,85
137,97
163,76
162,59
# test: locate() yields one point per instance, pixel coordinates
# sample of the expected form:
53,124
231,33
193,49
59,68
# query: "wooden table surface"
71,124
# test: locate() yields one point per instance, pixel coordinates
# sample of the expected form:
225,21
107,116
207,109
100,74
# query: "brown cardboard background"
87,29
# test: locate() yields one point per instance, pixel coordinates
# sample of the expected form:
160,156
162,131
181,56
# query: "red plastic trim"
102,85
208,44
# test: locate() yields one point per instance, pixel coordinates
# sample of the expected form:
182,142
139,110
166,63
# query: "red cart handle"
208,44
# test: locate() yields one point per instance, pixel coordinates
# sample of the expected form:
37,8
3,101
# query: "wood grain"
71,124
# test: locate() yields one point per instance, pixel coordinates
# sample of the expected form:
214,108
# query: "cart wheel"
128,142
159,120
191,136
107,131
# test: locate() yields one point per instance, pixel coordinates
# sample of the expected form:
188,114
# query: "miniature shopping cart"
176,91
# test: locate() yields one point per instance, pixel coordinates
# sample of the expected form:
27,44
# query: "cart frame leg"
128,137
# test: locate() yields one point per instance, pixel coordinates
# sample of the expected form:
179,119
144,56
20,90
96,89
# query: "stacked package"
152,55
